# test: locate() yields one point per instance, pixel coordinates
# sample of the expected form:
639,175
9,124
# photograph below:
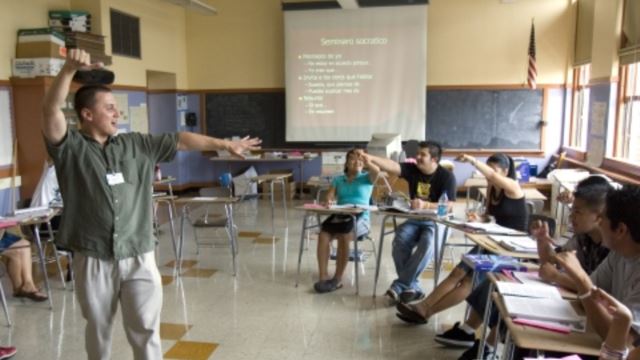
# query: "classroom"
457,140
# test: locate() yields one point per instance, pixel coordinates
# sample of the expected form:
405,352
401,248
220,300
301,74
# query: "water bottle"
443,205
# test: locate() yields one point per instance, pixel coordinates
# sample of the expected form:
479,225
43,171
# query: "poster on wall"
139,119
123,106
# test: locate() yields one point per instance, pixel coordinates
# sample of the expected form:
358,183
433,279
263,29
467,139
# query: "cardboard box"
290,189
28,68
40,49
290,186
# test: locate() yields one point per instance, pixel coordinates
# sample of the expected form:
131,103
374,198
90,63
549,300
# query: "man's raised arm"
54,125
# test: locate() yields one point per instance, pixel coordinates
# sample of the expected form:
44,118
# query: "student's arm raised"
600,318
54,125
508,185
387,165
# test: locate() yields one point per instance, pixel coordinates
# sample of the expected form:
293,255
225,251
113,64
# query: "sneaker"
472,352
325,286
392,296
456,337
411,296
7,352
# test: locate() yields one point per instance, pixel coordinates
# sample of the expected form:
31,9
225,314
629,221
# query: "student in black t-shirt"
427,182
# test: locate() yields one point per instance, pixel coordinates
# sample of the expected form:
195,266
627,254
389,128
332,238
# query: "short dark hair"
505,162
623,206
594,195
435,149
85,97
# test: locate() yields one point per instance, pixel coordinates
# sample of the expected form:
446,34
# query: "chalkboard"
485,119
240,114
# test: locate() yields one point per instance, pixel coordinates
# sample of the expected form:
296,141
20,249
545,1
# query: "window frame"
579,87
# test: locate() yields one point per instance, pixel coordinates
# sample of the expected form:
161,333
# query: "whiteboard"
6,130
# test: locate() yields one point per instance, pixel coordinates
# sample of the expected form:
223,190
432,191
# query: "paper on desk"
541,291
528,278
555,310
353,206
492,228
516,243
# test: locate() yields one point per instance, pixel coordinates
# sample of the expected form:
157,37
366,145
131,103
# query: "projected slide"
352,73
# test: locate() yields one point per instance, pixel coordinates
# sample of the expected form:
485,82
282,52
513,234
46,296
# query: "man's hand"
548,272
614,307
417,204
569,262
540,231
466,159
239,146
78,59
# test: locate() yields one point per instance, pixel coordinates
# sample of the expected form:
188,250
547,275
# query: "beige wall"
21,14
470,42
486,41
242,47
162,25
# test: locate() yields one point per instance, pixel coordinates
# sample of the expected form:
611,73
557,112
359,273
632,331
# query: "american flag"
532,71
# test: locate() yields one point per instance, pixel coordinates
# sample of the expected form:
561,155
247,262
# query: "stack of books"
91,43
492,263
65,21
39,52
516,243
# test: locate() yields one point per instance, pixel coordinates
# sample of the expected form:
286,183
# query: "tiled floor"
260,314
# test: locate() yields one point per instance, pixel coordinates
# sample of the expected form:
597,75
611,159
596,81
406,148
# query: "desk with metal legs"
323,211
228,203
169,201
273,179
413,216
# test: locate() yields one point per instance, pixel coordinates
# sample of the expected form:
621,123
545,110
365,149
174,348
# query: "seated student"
588,208
614,346
505,201
619,273
17,251
354,187
412,247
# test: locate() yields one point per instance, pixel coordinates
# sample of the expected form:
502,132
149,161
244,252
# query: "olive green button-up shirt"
102,220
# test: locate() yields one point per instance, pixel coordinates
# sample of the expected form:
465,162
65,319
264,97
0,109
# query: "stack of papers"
491,228
539,302
516,243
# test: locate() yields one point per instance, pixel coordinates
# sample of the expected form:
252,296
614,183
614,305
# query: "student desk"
526,337
228,206
289,162
272,179
413,216
587,343
169,201
165,182
318,211
34,222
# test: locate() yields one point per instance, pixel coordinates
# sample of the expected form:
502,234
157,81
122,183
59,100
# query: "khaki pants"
133,282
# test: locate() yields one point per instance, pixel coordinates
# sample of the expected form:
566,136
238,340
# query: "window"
627,130
579,108
125,34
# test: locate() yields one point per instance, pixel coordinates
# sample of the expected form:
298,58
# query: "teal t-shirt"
356,192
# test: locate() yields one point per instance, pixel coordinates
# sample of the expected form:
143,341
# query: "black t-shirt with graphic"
428,187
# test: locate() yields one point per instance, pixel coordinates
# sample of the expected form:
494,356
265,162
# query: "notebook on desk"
553,310
516,243
492,263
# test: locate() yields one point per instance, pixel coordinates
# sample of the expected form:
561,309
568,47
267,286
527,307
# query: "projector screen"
352,73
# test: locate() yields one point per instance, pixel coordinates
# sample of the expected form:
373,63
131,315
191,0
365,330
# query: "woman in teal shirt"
354,187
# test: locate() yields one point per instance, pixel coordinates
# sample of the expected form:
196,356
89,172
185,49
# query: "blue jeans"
412,234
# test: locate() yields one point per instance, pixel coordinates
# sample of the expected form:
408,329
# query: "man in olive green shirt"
105,181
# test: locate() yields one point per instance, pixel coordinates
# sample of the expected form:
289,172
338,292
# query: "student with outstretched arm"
427,182
105,182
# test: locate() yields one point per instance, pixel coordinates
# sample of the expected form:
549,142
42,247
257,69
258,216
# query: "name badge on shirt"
115,179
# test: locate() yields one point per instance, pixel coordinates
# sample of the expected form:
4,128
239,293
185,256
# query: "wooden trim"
234,91
621,166
488,152
572,112
604,80
493,87
5,83
575,154
623,178
543,120
203,117
128,88
7,171
622,93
